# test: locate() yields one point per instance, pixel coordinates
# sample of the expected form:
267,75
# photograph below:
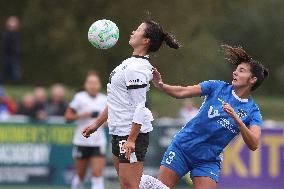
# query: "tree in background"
54,37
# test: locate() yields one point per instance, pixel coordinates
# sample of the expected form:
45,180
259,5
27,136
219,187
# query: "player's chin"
234,83
130,41
133,42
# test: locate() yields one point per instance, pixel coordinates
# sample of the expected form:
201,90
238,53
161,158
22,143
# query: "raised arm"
175,91
101,119
251,136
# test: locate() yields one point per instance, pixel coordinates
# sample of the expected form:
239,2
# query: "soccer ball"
103,34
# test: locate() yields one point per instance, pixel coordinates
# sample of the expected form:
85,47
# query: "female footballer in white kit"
84,108
129,121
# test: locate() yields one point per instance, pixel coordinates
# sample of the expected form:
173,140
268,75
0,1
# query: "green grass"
35,187
108,186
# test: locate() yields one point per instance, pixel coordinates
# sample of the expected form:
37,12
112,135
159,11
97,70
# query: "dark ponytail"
265,72
157,35
171,41
237,55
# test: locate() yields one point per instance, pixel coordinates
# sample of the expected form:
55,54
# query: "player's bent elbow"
253,147
68,118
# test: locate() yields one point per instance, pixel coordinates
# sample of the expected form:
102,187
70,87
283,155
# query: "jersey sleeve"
75,103
256,118
136,78
208,87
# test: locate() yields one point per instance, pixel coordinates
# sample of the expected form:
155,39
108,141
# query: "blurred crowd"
40,104
37,105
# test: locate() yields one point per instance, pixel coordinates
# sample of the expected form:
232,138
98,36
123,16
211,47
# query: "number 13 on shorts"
169,159
121,149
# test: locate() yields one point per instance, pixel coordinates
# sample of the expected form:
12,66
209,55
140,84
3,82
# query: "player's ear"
146,41
253,80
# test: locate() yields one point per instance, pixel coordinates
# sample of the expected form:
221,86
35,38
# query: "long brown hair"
157,35
237,55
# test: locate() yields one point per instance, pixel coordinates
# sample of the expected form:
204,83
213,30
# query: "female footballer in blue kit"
227,110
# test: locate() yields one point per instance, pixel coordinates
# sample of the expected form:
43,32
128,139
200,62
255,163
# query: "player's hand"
89,130
129,147
157,78
229,110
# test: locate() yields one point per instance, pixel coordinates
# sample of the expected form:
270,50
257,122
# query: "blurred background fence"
40,154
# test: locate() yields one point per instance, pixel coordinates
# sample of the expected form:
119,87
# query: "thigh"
130,174
116,163
175,160
98,164
141,145
209,170
81,162
204,182
168,176
81,167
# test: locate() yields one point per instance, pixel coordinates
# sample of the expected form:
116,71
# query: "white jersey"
82,103
133,73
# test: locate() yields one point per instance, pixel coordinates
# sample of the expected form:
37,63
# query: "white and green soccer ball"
103,34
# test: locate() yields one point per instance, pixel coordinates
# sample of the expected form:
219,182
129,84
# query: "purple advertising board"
263,168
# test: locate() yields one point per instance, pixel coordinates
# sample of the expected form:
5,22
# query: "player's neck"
91,95
140,51
242,93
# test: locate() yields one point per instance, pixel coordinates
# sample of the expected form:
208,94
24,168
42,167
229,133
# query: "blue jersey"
205,136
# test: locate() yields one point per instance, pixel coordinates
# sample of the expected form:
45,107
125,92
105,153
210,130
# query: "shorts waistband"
140,134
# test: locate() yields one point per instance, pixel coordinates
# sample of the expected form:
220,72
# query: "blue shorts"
181,163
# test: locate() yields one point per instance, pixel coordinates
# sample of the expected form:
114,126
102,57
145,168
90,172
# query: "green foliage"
54,45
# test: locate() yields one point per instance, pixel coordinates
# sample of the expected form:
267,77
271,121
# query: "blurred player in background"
188,110
84,108
226,111
129,121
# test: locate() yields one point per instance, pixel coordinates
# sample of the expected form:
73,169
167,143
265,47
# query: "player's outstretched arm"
101,119
175,91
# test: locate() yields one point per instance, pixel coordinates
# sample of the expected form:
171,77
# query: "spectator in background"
40,102
27,106
56,105
11,67
188,111
7,105
84,108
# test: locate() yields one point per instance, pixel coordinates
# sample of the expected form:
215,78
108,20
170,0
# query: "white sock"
77,183
98,183
149,182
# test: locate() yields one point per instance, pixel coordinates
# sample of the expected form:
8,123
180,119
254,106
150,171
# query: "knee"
97,173
81,176
166,181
